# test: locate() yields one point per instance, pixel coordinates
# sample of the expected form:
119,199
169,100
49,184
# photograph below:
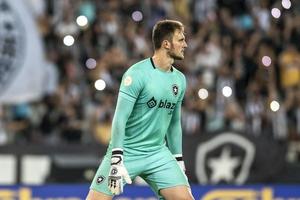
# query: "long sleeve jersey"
148,110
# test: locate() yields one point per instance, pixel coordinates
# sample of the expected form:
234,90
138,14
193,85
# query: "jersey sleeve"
131,85
122,113
130,88
174,133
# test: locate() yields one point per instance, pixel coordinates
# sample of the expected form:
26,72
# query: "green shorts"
160,170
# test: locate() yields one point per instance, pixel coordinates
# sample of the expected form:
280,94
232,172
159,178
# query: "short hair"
163,30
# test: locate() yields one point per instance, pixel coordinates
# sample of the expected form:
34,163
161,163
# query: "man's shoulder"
141,65
178,72
138,70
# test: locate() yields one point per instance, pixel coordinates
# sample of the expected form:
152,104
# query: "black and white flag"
21,54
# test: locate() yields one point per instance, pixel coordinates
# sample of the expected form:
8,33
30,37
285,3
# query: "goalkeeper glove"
117,173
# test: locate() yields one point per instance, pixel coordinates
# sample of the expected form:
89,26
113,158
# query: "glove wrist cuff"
117,156
180,161
178,157
117,151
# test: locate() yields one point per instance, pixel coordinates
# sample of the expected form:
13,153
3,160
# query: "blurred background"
61,63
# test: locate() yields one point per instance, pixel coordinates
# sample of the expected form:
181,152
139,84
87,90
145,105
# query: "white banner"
22,65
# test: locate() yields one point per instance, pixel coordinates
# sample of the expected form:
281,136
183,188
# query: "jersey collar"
155,67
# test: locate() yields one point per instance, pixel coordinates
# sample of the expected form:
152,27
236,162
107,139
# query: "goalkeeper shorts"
159,169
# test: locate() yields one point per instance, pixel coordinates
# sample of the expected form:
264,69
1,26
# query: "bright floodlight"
276,13
227,91
100,84
137,16
274,105
69,40
82,20
91,63
203,93
286,4
266,61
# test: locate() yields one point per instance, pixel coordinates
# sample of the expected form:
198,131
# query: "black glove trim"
117,151
179,158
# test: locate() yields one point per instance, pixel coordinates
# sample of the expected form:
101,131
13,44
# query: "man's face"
178,45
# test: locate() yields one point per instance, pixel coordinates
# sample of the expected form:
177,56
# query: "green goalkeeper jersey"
148,110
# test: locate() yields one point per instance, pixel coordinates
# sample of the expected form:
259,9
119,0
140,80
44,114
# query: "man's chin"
175,57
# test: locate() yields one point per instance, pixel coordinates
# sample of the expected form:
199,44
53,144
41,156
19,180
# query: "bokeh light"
100,84
137,16
276,13
69,40
275,106
266,61
227,91
91,63
203,93
286,4
82,20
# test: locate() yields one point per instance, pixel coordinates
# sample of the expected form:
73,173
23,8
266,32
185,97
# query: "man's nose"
185,44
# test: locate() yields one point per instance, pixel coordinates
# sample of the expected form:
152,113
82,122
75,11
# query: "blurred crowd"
228,40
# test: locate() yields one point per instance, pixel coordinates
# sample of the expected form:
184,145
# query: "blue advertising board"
78,192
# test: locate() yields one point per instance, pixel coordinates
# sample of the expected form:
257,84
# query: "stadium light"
68,40
266,61
82,20
91,63
203,93
227,91
276,13
137,16
100,84
275,106
286,4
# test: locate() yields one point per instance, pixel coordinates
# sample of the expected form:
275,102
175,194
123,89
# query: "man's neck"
162,60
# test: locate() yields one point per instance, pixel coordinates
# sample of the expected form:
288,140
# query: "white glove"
117,173
180,162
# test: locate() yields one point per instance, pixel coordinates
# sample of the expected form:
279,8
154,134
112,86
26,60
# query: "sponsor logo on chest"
164,103
161,104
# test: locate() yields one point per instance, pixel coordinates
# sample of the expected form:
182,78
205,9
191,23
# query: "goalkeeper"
146,131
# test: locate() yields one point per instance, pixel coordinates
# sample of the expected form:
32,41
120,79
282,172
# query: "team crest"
225,158
175,89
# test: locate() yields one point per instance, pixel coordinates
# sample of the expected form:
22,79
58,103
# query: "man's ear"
166,44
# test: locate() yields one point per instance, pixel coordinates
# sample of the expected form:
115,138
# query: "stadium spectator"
227,42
